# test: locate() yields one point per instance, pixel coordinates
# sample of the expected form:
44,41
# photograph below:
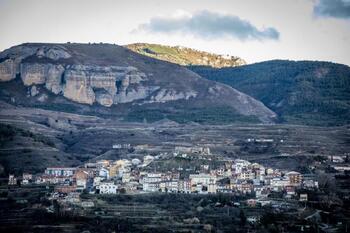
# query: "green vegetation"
184,56
8,132
214,115
305,92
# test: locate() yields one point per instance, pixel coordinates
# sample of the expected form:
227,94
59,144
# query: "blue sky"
255,30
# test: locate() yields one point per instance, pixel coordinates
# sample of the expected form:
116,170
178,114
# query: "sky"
255,30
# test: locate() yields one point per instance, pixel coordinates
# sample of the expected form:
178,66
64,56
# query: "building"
192,150
212,187
279,183
102,163
200,183
240,164
295,178
126,177
151,182
184,186
12,180
202,178
103,173
52,179
65,188
81,179
60,171
303,197
27,178
290,190
107,188
169,186
151,186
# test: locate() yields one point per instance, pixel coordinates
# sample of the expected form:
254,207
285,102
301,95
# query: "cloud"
333,8
209,25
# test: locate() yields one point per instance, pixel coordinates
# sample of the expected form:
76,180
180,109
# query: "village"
133,177
210,184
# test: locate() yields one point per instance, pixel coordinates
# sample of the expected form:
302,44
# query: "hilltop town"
214,175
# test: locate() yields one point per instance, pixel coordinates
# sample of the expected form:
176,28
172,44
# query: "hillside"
303,92
185,56
112,81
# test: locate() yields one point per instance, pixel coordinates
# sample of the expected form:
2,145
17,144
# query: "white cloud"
209,25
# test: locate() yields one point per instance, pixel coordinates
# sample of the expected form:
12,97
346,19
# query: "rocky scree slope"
108,77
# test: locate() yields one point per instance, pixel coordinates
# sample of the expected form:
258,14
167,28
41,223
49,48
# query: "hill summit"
185,56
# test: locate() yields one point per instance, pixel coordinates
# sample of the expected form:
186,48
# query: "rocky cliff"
110,75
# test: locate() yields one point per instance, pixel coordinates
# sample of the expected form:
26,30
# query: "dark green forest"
300,92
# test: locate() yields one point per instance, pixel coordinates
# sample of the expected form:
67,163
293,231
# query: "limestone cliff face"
86,84
7,70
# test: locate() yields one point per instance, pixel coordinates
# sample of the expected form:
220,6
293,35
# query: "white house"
60,171
108,188
278,183
104,173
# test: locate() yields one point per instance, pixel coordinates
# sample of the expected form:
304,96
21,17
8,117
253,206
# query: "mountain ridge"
300,92
185,56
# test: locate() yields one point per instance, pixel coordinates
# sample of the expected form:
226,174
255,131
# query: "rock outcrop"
7,70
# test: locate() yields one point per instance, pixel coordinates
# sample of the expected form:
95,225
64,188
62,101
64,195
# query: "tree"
243,218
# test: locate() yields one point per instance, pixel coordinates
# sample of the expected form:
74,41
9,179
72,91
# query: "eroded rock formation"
86,84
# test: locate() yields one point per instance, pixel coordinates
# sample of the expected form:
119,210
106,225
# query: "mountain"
300,92
185,56
63,104
112,81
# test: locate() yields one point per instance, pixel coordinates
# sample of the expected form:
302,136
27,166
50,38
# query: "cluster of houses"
131,176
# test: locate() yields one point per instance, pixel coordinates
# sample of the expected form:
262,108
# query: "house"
253,219
87,204
81,179
202,178
200,183
151,182
53,179
169,186
240,164
303,197
246,174
278,183
27,178
102,163
184,186
242,186
103,173
65,188
251,202
126,177
96,181
12,180
60,171
295,178
108,188
290,190
151,186
114,170
261,191
212,187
